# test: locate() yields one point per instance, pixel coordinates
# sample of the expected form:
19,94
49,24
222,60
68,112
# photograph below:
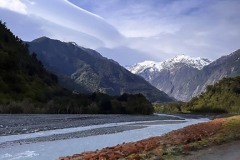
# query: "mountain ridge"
93,74
197,62
148,69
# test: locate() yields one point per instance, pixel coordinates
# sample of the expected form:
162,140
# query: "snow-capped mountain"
183,77
169,64
148,69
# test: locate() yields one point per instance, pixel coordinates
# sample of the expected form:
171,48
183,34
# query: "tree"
105,105
6,39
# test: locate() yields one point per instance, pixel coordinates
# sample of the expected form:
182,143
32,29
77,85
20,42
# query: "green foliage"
170,107
21,73
222,97
137,104
99,103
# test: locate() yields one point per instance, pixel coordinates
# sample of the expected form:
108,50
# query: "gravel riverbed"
49,136
23,124
14,125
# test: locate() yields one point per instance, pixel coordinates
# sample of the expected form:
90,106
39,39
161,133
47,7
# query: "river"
51,144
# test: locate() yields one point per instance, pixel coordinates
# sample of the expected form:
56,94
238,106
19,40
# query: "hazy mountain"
183,77
85,70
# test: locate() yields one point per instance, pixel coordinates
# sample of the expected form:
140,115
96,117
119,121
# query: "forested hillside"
22,74
27,87
222,97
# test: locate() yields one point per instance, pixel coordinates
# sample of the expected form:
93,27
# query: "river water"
16,147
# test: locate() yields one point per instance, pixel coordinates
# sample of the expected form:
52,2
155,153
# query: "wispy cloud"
163,28
147,29
66,21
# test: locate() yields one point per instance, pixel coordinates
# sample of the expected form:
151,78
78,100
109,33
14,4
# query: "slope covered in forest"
222,97
22,74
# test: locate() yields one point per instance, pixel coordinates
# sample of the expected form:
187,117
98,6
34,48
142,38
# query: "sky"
131,31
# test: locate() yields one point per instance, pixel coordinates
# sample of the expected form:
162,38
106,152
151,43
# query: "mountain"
172,75
183,77
27,87
85,70
149,69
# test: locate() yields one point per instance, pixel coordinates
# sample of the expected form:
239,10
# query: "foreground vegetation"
27,87
222,97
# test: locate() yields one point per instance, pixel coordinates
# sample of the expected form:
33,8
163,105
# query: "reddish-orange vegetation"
154,145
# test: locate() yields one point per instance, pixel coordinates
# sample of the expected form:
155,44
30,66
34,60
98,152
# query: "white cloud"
74,18
152,29
124,55
162,29
14,5
62,20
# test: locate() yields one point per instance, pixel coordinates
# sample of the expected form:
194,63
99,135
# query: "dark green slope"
222,97
22,76
90,71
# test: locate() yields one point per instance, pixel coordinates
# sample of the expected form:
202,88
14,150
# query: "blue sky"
131,31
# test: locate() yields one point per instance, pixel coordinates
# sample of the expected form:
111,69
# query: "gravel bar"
22,124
